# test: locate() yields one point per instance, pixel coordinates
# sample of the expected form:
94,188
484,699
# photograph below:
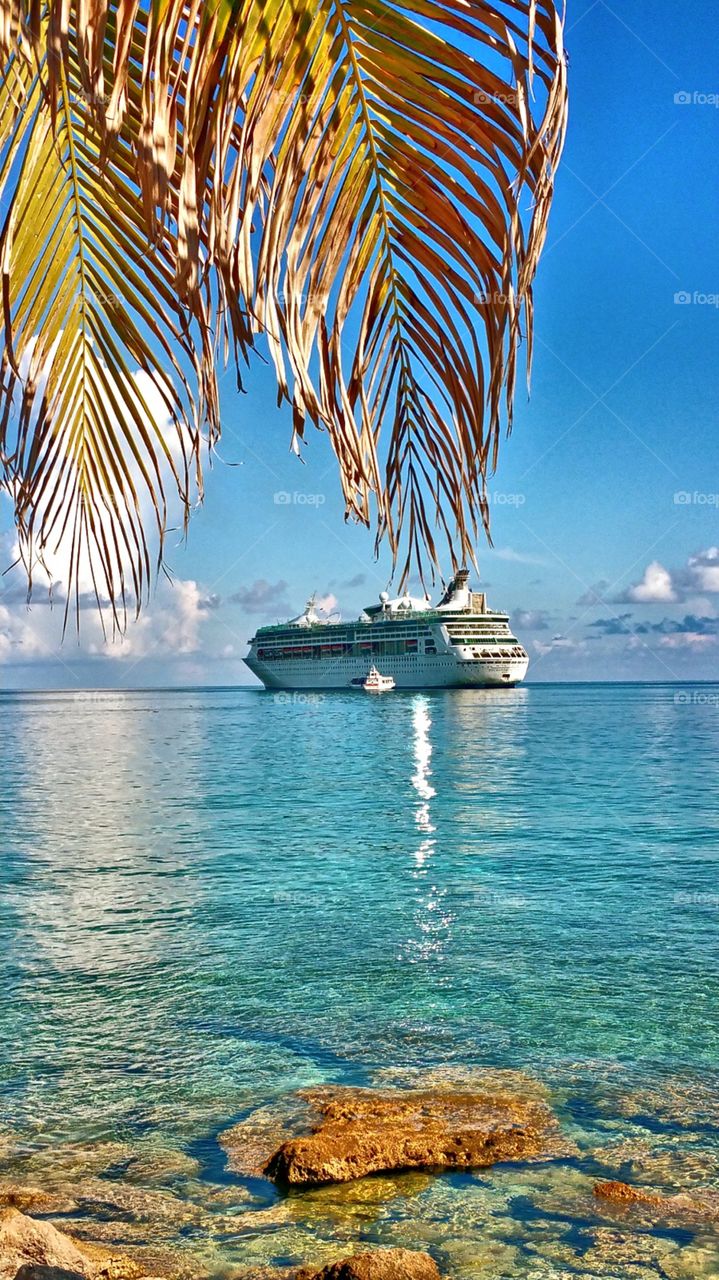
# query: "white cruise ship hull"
440,671
457,644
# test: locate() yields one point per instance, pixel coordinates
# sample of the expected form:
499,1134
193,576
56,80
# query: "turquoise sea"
213,898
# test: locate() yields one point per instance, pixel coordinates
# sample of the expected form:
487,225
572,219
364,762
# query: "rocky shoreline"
36,1250
370,1144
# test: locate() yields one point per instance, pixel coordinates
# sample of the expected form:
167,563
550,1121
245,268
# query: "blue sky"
607,492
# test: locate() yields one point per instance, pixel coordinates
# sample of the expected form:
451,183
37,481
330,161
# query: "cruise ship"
458,643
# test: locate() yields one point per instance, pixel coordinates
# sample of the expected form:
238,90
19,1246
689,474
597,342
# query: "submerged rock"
677,1102
379,1264
160,1165
31,1199
363,1131
121,1200
699,1206
250,1143
144,1163
667,1163
27,1245
449,1078
10,1145
622,1193
627,1254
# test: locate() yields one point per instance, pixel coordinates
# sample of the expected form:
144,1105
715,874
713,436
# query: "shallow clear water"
212,898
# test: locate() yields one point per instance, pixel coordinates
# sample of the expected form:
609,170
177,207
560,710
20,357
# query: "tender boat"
376,683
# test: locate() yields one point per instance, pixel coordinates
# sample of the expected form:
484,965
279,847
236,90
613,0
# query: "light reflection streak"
432,921
422,747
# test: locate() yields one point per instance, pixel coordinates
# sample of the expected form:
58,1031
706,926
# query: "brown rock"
622,1193
362,1131
699,1206
29,1199
32,1272
380,1264
25,1243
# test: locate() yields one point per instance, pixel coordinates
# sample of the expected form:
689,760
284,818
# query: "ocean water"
211,899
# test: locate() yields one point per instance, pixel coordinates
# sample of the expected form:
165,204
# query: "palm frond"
394,264
365,183
87,305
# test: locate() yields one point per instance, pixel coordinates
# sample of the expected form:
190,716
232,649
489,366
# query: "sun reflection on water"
422,750
432,921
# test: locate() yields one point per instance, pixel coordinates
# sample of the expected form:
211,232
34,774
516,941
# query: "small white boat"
375,683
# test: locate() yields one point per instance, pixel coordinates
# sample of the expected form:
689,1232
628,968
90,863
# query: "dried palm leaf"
87,449
367,182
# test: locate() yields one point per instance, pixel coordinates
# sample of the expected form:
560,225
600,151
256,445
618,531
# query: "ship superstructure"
457,643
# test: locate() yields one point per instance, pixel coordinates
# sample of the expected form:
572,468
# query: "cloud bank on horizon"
190,632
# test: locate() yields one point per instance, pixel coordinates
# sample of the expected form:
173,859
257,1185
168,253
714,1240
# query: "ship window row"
496,654
403,632
477,632
362,649
468,641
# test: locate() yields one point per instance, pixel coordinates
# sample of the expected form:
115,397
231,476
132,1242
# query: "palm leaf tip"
349,178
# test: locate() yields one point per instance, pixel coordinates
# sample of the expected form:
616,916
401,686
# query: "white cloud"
176,622
656,587
18,640
530,619
515,557
169,625
702,570
699,576
688,640
560,644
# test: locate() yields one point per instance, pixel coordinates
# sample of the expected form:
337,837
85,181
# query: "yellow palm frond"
365,183
86,307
